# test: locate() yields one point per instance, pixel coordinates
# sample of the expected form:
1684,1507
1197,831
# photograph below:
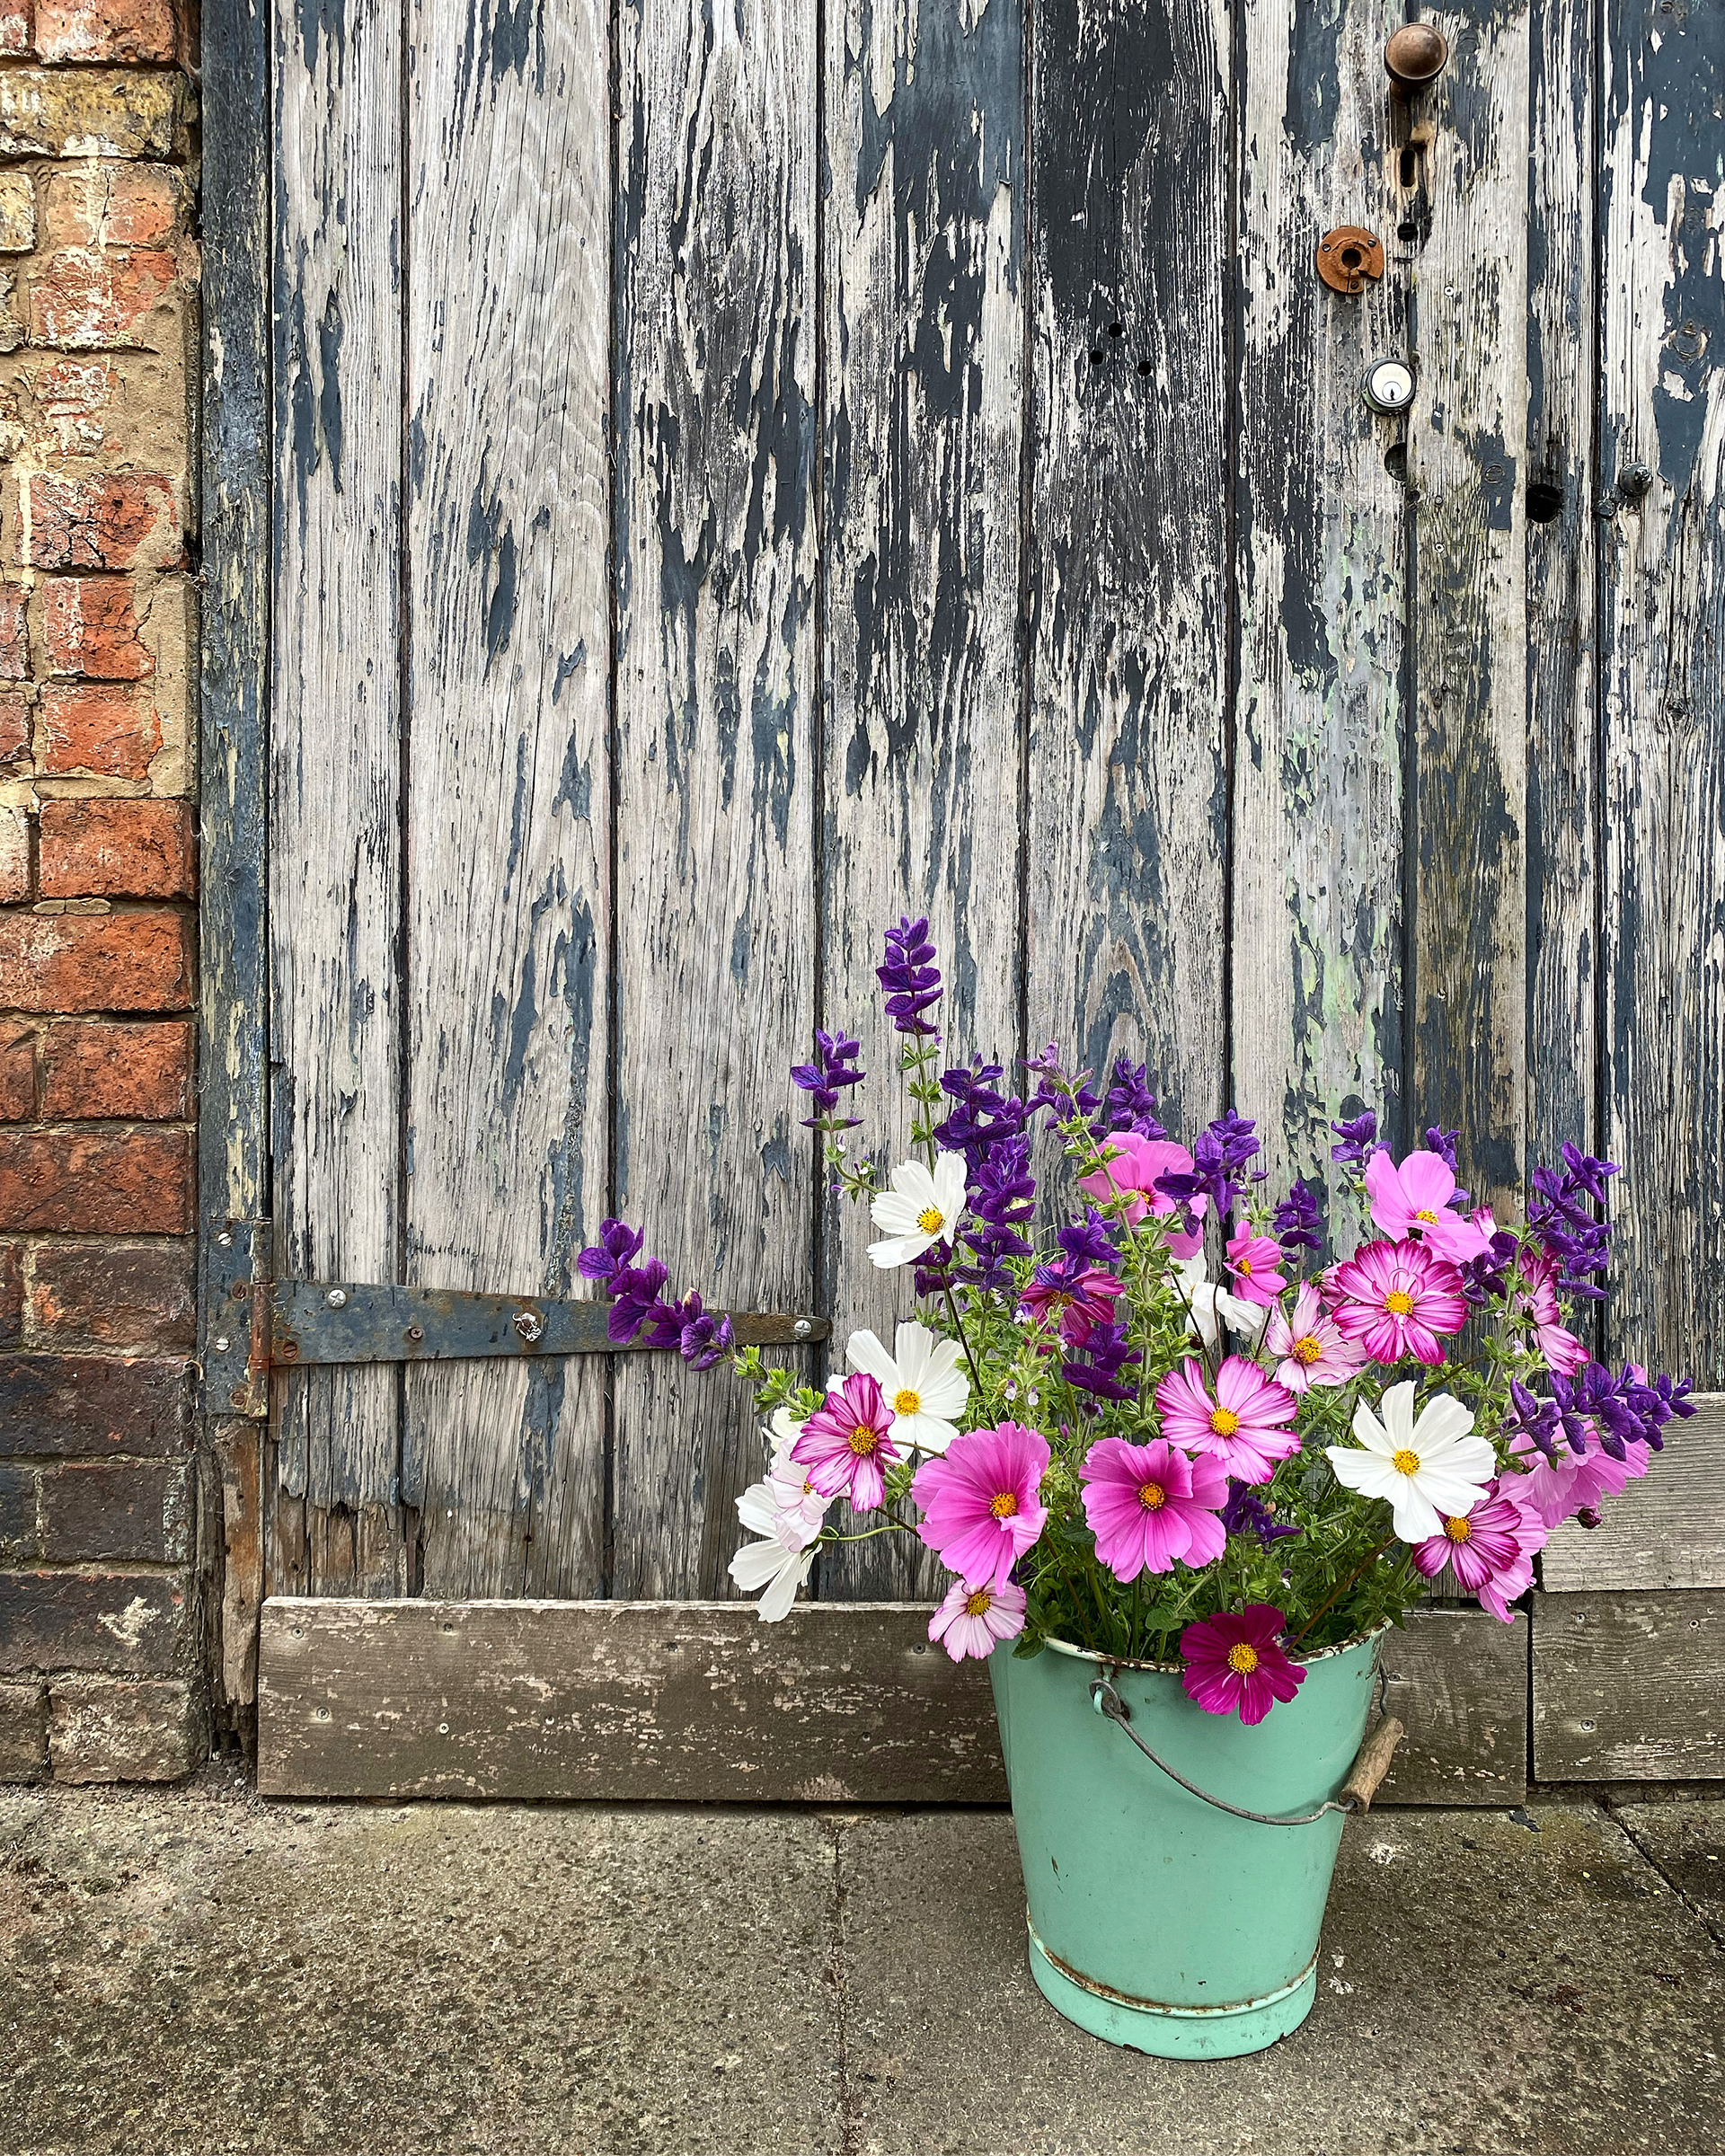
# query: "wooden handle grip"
1372,1763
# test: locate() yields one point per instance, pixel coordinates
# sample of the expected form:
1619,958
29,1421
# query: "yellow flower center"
863,1440
1406,1463
1425,1213
1399,1302
1458,1530
979,1602
1242,1658
1005,1504
931,1220
907,1402
1152,1496
1245,1265
1309,1349
1223,1421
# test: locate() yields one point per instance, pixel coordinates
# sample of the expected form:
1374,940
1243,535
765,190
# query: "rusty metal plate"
1347,256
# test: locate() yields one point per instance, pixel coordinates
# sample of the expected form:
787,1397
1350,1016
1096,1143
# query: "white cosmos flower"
921,1207
921,1382
780,1571
787,1513
1213,1307
1425,1469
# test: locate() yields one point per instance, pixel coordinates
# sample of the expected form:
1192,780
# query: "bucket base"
1174,2032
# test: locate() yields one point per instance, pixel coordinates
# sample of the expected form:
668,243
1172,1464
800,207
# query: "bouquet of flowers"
1109,1441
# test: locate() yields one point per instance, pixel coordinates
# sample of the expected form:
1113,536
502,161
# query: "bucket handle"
1371,1763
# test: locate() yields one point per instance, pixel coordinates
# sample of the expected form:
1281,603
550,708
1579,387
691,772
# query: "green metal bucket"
1156,1921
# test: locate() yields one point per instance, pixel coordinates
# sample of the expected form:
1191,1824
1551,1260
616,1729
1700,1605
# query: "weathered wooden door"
739,475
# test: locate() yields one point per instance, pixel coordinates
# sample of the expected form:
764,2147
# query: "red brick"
17,1073
127,520
110,1295
114,205
14,722
85,962
131,1512
112,732
115,850
105,29
90,627
64,1406
83,298
133,1182
14,633
11,1294
117,1621
17,26
136,1073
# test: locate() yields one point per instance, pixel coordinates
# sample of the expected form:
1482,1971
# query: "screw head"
416,1333
224,1241
529,1324
801,1329
1633,480
337,1298
221,1343
236,1398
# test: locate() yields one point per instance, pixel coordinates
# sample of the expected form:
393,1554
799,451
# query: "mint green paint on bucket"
1155,1921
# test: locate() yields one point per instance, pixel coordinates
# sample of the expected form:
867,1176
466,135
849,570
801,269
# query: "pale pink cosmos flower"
1241,1426
1133,1172
1310,1345
981,1501
1234,1662
1556,1489
1394,1299
1255,1261
846,1444
1490,1547
1413,1199
1561,1350
972,1622
1150,1504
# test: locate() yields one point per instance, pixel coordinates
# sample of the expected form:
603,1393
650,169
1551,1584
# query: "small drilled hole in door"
1395,463
1544,502
1409,167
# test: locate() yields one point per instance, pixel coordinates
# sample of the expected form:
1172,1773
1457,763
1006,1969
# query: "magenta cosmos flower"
972,1622
1310,1345
1255,1262
1242,1424
1413,1199
1137,1163
1392,1299
844,1445
980,1502
1491,1549
1150,1504
1235,1663
1080,1298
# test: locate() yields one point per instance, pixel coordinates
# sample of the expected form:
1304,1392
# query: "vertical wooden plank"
1563,641
1131,290
1467,458
715,686
508,280
1662,179
923,249
335,722
1320,540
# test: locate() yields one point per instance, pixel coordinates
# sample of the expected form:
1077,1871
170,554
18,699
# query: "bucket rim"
1173,1669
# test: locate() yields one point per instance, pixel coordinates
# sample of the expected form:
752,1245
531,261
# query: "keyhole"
1410,166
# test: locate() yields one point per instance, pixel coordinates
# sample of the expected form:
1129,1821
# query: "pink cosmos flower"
1491,1549
1137,1163
1310,1344
973,1620
1240,1425
1255,1260
1413,1199
1150,1504
1555,1490
980,1502
1235,1662
1081,1303
844,1445
1394,1299
1563,1351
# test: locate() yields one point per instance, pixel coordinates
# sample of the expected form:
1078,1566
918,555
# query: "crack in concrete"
848,2122
1713,1930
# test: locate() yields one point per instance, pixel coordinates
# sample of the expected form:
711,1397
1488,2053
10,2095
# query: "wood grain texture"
236,1448
700,1703
716,810
1316,859
1458,1680
335,744
1666,1531
509,867
1662,178
1131,290
1466,457
1628,1687
924,246
1562,591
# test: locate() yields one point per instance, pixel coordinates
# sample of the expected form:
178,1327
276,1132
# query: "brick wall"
98,1612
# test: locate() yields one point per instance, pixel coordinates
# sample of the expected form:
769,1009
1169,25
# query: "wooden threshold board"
698,1702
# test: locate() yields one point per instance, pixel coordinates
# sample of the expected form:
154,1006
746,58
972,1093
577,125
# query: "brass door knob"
1415,55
